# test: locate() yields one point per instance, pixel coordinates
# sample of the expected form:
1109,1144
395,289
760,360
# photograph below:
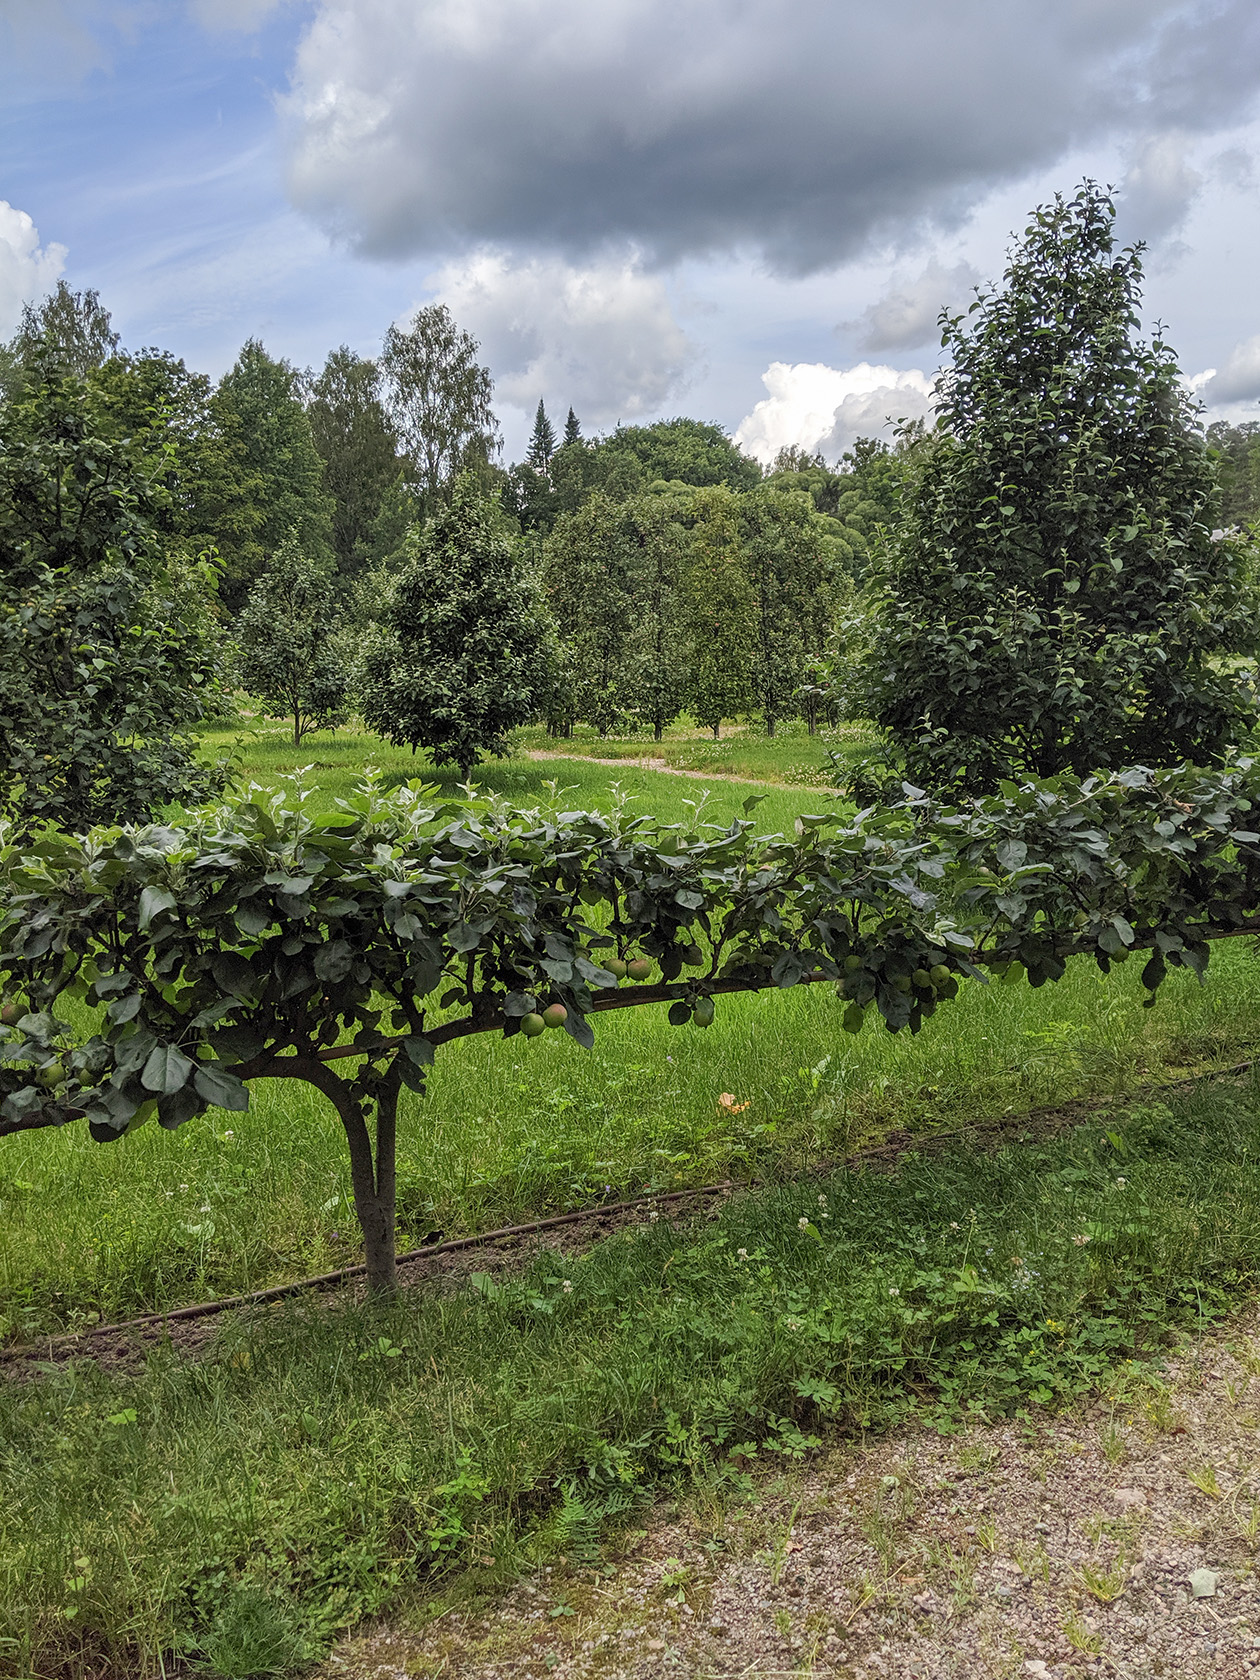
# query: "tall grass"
329,1461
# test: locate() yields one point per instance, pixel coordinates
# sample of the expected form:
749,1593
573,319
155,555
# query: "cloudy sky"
746,210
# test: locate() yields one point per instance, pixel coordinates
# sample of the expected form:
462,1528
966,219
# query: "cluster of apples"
555,1014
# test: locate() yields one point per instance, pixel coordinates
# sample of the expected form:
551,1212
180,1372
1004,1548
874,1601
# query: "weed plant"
328,1460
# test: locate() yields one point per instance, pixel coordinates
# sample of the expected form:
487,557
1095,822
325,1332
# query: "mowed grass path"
510,1129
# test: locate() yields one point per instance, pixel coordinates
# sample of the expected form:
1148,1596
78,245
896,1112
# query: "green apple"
638,968
533,1026
703,1012
555,1015
614,965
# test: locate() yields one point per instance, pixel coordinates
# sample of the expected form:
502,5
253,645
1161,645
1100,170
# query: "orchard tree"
290,655
1053,597
438,398
792,574
462,658
356,443
718,607
100,673
590,574
657,651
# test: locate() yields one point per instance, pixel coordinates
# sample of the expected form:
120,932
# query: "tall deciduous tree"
99,678
590,576
69,334
357,445
1053,597
271,479
463,656
290,654
791,578
719,611
438,397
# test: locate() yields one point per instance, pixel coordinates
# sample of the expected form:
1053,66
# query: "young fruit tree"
155,972
463,654
290,656
102,664
1052,596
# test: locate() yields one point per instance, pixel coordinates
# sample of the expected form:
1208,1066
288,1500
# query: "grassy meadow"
325,1461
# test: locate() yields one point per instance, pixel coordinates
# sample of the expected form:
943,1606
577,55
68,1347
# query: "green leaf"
220,1086
166,1071
153,900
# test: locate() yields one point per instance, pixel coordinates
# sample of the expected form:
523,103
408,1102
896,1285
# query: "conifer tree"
572,430
542,442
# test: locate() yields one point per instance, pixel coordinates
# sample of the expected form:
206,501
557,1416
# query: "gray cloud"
797,132
1239,380
1159,189
907,314
601,337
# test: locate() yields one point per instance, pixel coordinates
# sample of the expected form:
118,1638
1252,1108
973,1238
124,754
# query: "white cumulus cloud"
819,408
27,269
601,338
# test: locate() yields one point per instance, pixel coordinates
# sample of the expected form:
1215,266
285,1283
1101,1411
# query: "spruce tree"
1052,596
572,430
462,658
542,442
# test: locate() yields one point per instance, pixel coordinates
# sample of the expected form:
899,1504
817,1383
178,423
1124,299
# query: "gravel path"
1116,1539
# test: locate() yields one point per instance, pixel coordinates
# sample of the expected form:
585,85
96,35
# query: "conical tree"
542,441
1052,596
572,429
463,655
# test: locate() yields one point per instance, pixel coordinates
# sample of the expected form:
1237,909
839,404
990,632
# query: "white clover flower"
1121,1183
803,1223
953,1224
894,1292
567,1287
742,1252
1080,1241
822,1201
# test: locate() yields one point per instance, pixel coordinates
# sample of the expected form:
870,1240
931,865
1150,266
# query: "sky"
744,210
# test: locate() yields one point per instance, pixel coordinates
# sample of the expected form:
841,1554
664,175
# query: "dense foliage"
264,939
103,657
1053,596
461,657
291,657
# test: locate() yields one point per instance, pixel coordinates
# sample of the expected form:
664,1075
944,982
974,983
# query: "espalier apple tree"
151,973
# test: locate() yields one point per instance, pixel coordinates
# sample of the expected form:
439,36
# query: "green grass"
329,1462
512,1129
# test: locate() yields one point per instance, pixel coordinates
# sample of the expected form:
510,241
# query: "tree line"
1057,574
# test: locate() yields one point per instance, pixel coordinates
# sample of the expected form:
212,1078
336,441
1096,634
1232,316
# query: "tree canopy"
1052,596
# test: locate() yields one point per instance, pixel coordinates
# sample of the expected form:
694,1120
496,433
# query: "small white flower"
953,1224
653,1217
742,1252
803,1223
822,1201
1080,1241
894,1292
205,1207
792,1323
1120,1183
567,1287
228,1136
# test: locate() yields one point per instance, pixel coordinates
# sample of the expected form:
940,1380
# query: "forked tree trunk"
372,1171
